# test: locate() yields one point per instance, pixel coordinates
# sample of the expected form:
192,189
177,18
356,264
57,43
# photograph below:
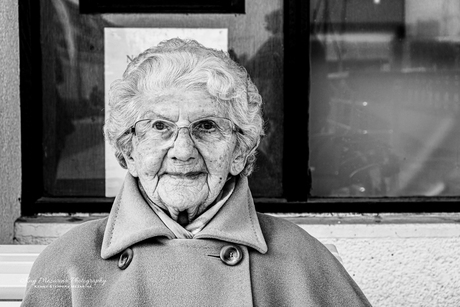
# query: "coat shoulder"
86,236
48,282
84,240
277,231
305,268
287,240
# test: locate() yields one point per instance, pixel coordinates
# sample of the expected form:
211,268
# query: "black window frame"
162,6
296,175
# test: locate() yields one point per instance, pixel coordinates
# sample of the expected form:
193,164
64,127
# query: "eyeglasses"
205,130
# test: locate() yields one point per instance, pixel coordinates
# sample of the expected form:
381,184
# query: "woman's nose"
183,147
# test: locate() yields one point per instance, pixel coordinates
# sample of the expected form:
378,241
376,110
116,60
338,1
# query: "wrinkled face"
182,174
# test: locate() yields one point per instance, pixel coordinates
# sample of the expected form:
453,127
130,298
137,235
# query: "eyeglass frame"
132,129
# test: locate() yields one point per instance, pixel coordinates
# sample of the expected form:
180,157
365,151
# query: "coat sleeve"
299,271
48,283
56,268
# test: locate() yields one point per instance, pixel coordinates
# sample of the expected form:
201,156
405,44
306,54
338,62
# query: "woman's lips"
188,175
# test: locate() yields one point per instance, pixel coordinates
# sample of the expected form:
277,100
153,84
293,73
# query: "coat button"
125,258
231,254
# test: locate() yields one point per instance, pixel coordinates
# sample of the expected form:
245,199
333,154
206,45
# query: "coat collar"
131,220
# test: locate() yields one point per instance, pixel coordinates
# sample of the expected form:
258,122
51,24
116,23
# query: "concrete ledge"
45,229
436,225
383,231
372,219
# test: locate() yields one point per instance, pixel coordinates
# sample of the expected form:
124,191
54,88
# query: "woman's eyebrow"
199,115
204,117
151,114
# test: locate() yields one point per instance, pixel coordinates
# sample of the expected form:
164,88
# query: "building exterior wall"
408,264
10,128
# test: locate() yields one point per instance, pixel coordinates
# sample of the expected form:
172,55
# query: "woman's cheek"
150,161
149,168
219,165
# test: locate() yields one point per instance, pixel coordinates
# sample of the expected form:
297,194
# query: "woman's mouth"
186,175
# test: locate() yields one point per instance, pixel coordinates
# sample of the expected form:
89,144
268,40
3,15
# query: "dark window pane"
73,100
385,98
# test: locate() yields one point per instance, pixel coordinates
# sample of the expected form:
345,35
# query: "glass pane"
72,47
384,97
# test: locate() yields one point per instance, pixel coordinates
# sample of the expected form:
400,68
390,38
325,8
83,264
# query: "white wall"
409,264
10,128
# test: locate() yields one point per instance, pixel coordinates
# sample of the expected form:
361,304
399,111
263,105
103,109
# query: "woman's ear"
238,163
131,164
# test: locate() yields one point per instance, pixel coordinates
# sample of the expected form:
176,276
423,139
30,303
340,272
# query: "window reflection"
384,97
73,100
266,68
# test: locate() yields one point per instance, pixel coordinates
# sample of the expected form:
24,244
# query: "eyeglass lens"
206,130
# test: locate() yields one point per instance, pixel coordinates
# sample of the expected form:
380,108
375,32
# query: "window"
384,99
64,72
361,99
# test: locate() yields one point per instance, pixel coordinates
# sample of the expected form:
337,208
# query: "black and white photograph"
230,153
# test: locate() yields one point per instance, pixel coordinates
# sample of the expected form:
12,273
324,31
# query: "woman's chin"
182,194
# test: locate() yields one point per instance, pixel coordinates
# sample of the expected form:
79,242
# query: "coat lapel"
237,220
131,220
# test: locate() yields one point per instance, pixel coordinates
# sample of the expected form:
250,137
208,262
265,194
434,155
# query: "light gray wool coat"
281,264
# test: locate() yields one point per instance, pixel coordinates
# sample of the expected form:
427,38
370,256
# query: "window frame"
296,175
170,6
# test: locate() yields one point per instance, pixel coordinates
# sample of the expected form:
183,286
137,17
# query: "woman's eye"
206,125
158,125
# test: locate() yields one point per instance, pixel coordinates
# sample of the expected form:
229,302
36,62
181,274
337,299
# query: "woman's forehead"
175,105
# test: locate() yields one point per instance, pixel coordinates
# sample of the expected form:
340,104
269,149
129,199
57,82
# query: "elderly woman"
185,121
